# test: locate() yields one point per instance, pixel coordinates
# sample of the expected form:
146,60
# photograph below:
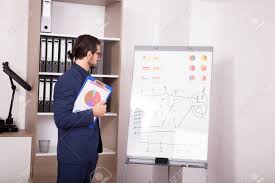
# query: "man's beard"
93,66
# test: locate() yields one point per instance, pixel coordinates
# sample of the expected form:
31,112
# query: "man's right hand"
99,109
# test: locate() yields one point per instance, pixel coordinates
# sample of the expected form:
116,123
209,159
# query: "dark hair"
82,45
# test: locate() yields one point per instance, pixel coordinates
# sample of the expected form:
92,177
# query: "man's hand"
99,109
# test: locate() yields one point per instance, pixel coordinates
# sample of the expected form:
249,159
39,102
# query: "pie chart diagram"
92,98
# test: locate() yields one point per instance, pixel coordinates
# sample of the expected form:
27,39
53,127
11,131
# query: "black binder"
47,85
62,57
53,81
56,55
49,57
99,67
69,48
41,95
43,53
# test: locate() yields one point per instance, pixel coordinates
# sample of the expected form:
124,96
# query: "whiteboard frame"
172,162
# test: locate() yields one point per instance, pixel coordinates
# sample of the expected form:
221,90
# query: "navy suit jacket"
79,139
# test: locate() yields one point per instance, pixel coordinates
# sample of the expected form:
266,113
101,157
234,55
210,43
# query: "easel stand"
164,162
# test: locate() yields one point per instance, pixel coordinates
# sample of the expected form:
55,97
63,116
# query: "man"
79,139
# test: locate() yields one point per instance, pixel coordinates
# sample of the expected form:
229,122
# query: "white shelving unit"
105,24
93,75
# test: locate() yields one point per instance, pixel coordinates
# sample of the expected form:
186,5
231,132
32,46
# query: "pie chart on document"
92,98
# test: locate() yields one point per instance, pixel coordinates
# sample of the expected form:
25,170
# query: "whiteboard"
169,106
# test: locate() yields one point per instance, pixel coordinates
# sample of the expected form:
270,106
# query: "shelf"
20,133
108,114
111,39
52,152
93,75
90,2
50,74
107,151
45,113
104,76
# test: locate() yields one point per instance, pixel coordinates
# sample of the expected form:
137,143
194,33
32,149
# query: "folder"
91,93
47,95
69,48
54,80
41,95
99,67
55,55
46,16
62,51
49,55
42,55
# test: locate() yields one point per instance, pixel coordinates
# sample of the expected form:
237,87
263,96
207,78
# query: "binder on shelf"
55,55
99,67
41,95
42,54
108,104
46,16
90,70
69,48
47,95
62,51
49,55
94,69
66,50
100,62
50,92
54,80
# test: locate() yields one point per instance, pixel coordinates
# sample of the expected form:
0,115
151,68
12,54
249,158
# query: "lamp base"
9,121
2,122
10,128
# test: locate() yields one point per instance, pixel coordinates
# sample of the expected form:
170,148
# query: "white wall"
242,142
13,48
241,139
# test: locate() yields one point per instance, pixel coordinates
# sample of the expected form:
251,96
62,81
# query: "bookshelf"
44,165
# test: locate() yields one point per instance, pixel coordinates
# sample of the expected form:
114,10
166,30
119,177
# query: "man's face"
93,58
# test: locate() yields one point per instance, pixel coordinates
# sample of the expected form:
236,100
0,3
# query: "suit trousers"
75,173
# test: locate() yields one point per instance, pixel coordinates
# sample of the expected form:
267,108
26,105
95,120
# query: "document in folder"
92,92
